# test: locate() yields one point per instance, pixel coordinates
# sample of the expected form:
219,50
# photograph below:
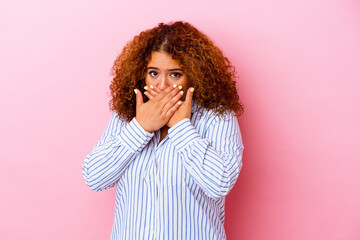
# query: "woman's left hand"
184,111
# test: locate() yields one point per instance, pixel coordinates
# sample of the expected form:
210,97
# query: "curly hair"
206,68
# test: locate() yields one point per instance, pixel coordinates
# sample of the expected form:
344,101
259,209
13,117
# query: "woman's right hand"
157,112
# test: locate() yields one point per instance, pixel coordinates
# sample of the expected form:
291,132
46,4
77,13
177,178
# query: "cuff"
182,134
134,136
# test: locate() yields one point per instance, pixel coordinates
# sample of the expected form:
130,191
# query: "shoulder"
211,114
115,124
208,119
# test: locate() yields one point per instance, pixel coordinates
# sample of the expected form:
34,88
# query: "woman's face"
163,71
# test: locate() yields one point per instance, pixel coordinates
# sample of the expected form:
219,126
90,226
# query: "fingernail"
175,85
135,91
179,102
151,86
182,92
180,87
145,87
192,89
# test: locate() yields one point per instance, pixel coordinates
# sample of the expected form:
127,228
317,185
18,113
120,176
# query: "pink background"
299,77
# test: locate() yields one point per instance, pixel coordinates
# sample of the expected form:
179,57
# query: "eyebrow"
173,69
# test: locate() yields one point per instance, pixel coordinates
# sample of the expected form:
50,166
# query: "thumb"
139,98
189,96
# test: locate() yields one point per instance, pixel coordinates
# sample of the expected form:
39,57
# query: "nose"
163,82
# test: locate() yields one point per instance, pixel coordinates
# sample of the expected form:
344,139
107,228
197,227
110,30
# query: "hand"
157,112
184,111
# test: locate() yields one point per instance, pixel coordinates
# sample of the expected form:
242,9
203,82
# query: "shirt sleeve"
214,162
116,149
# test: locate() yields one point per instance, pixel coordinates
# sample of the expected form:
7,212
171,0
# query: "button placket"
156,180
156,183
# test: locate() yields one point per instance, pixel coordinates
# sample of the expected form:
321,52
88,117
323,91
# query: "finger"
149,95
171,102
173,109
189,96
151,90
155,88
166,91
173,94
158,90
139,97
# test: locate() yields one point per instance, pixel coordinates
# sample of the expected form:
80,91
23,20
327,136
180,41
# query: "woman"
173,145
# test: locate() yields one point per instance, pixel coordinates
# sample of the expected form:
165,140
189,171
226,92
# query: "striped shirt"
169,189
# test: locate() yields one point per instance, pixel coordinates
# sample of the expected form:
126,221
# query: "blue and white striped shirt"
173,189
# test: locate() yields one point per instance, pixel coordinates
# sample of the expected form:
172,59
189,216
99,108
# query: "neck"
164,132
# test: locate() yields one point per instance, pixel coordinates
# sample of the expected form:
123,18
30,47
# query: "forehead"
163,60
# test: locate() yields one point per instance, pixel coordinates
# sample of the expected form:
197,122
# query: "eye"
153,73
176,74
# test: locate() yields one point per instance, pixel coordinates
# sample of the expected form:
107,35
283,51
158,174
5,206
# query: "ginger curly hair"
207,70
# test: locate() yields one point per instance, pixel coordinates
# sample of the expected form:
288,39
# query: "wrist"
172,122
144,125
183,134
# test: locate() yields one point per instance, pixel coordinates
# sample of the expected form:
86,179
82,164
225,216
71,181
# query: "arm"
214,162
121,143
114,152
